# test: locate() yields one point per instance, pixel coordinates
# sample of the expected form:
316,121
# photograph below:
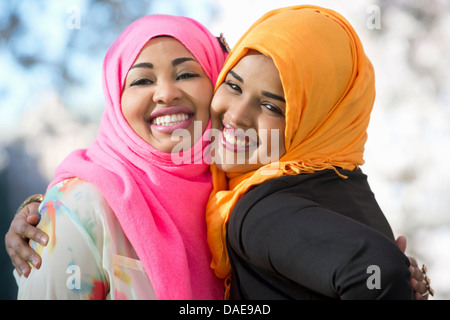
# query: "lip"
252,143
167,112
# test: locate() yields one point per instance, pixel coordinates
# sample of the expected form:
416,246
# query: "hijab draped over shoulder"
328,83
159,204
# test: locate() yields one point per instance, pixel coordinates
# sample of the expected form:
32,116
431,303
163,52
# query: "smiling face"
166,89
249,109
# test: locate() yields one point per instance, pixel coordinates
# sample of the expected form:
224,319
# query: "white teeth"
230,138
170,120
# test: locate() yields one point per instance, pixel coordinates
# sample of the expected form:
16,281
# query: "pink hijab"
159,204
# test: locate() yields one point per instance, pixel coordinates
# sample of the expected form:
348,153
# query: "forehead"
253,57
258,69
163,47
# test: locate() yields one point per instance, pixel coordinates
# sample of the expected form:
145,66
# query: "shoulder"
75,193
266,206
278,199
325,188
284,192
82,197
81,203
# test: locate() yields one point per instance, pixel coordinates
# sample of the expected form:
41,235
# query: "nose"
166,91
240,113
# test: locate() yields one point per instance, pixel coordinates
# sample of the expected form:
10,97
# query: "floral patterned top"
88,256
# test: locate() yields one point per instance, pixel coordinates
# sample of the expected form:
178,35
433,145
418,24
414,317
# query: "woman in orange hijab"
301,223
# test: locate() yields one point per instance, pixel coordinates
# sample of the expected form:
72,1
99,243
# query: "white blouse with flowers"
87,256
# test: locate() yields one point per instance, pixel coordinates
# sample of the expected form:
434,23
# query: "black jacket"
314,236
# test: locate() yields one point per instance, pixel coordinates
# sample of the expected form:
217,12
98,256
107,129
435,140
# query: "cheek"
134,107
204,105
214,107
202,94
220,102
217,109
125,104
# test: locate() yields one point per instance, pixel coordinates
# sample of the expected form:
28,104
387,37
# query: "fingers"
16,240
418,283
401,243
418,296
416,273
21,253
24,224
413,262
420,289
32,211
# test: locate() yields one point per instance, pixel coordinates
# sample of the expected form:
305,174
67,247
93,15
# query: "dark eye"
141,82
272,108
233,86
187,75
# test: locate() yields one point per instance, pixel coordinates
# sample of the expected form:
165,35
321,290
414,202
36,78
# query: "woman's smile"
169,119
248,108
238,140
166,89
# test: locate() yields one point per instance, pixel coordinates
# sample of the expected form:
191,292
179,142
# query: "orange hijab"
328,84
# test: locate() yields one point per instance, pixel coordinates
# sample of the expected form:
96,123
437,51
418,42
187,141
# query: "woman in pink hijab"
124,220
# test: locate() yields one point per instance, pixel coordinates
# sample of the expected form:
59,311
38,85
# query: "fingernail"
34,262
43,240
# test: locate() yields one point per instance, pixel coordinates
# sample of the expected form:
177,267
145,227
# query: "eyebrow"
178,61
273,96
264,93
147,65
234,74
175,63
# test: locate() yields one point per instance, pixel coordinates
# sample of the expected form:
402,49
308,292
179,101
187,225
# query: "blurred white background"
51,100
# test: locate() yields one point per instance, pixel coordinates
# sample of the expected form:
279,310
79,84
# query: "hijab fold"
328,84
159,204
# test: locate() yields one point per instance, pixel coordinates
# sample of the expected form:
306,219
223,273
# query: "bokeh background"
51,100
